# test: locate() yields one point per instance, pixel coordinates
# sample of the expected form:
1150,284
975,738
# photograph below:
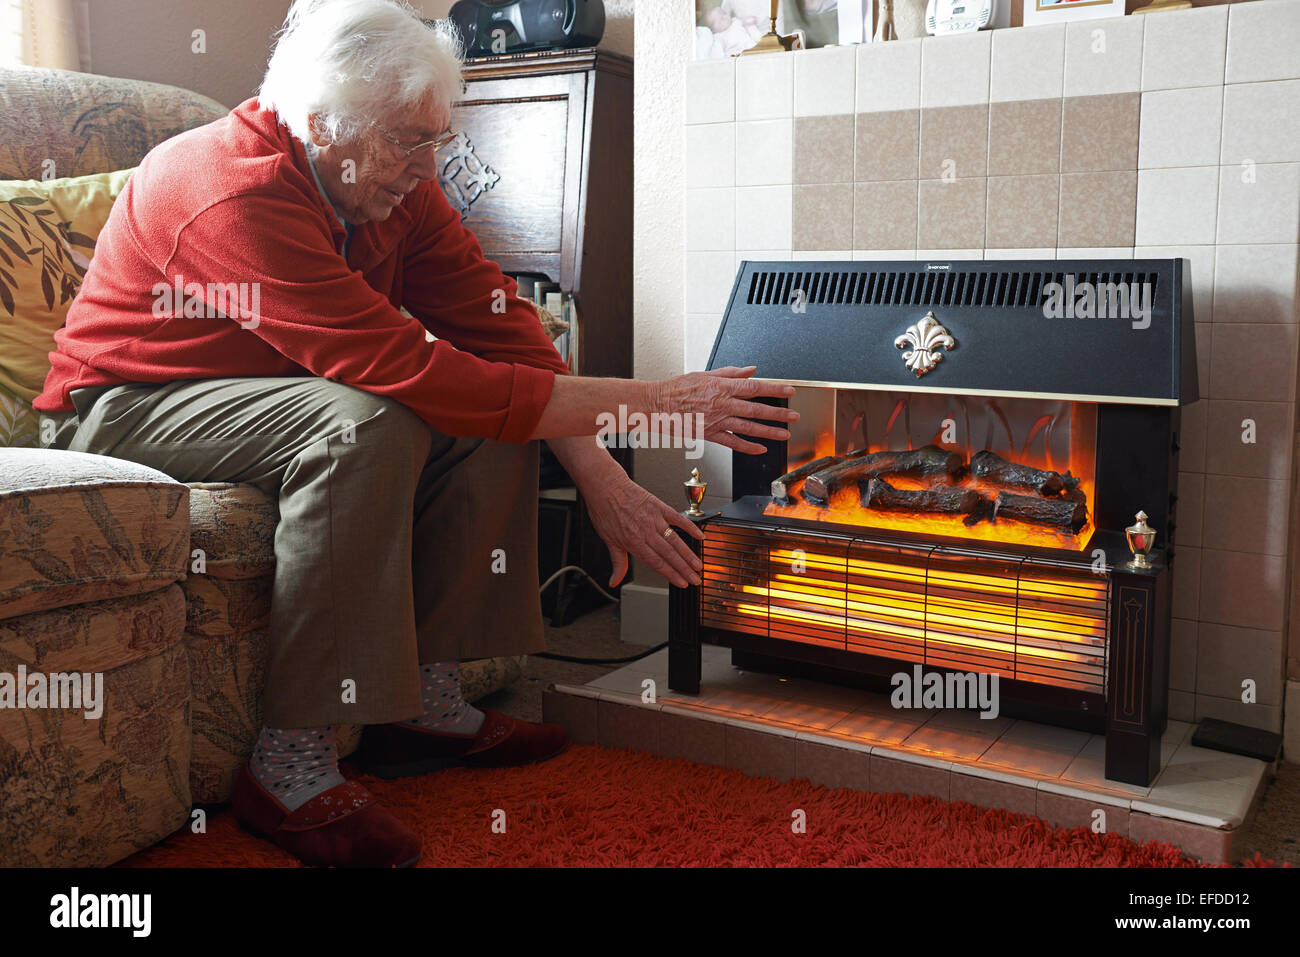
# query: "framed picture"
725,28
855,21
1059,11
817,20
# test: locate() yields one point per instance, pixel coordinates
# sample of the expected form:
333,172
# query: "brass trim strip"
1004,393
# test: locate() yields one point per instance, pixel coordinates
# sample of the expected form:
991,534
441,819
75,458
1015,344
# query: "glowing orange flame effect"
845,507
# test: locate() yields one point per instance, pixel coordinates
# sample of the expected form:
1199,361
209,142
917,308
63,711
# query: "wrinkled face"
368,177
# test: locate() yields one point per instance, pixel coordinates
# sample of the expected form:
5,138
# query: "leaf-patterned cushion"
76,528
47,237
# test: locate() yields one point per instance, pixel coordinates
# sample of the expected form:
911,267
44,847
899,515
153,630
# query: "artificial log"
929,460
994,468
939,499
1051,512
781,487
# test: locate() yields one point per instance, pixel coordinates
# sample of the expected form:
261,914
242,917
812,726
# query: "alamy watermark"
953,690
215,300
75,690
1102,300
652,430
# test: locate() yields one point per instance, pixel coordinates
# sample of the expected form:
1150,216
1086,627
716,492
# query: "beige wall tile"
1177,206
709,278
1241,589
818,255
1043,252
1180,127
1259,204
1204,352
764,152
1185,48
824,81
711,155
948,255
1226,452
951,214
823,216
1229,655
888,144
885,255
764,217
954,141
690,738
1202,266
764,87
1186,583
1266,716
1103,56
697,343
884,215
823,149
1097,209
1261,122
711,91
1094,252
1255,284
1182,654
1028,64
1251,361
1246,514
710,219
1261,41
955,69
889,76
1024,137
1099,132
1182,705
1022,210
1191,502
1192,436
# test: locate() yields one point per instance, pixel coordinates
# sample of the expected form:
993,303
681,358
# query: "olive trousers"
396,545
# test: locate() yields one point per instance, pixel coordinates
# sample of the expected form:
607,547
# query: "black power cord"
598,661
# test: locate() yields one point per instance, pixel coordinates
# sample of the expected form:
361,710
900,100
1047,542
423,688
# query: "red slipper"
399,750
342,827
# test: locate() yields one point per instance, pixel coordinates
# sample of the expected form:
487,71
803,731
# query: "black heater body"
1078,636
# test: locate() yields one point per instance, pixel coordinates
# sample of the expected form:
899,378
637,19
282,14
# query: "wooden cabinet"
543,177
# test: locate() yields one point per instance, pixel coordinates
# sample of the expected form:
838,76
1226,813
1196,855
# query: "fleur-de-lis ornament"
925,338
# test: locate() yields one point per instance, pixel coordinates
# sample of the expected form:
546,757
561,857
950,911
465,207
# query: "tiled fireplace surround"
1174,134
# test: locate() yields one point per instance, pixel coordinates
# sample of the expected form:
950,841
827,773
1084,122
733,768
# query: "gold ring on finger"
668,532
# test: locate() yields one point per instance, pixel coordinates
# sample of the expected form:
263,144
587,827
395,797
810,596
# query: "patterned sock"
296,764
445,708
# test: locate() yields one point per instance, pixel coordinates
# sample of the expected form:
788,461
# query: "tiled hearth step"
764,725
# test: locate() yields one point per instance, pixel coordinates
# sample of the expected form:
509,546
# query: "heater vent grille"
1020,618
985,289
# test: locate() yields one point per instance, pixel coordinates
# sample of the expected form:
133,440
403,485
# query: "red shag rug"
599,807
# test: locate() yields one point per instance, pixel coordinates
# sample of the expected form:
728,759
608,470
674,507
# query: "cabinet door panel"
523,132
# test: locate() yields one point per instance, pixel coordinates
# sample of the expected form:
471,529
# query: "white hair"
350,62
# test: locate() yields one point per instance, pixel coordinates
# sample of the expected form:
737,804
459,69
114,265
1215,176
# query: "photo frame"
1036,12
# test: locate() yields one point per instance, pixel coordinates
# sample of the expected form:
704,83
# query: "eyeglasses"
433,144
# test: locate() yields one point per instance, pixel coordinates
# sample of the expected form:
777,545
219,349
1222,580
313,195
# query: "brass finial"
695,488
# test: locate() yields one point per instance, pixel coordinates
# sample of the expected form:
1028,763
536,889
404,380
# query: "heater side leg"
1138,646
684,649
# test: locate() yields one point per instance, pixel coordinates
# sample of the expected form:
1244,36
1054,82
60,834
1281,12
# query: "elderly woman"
405,469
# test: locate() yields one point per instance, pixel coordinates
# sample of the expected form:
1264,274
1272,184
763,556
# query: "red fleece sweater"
235,202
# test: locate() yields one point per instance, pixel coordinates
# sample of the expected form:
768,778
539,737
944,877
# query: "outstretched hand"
722,398
631,521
